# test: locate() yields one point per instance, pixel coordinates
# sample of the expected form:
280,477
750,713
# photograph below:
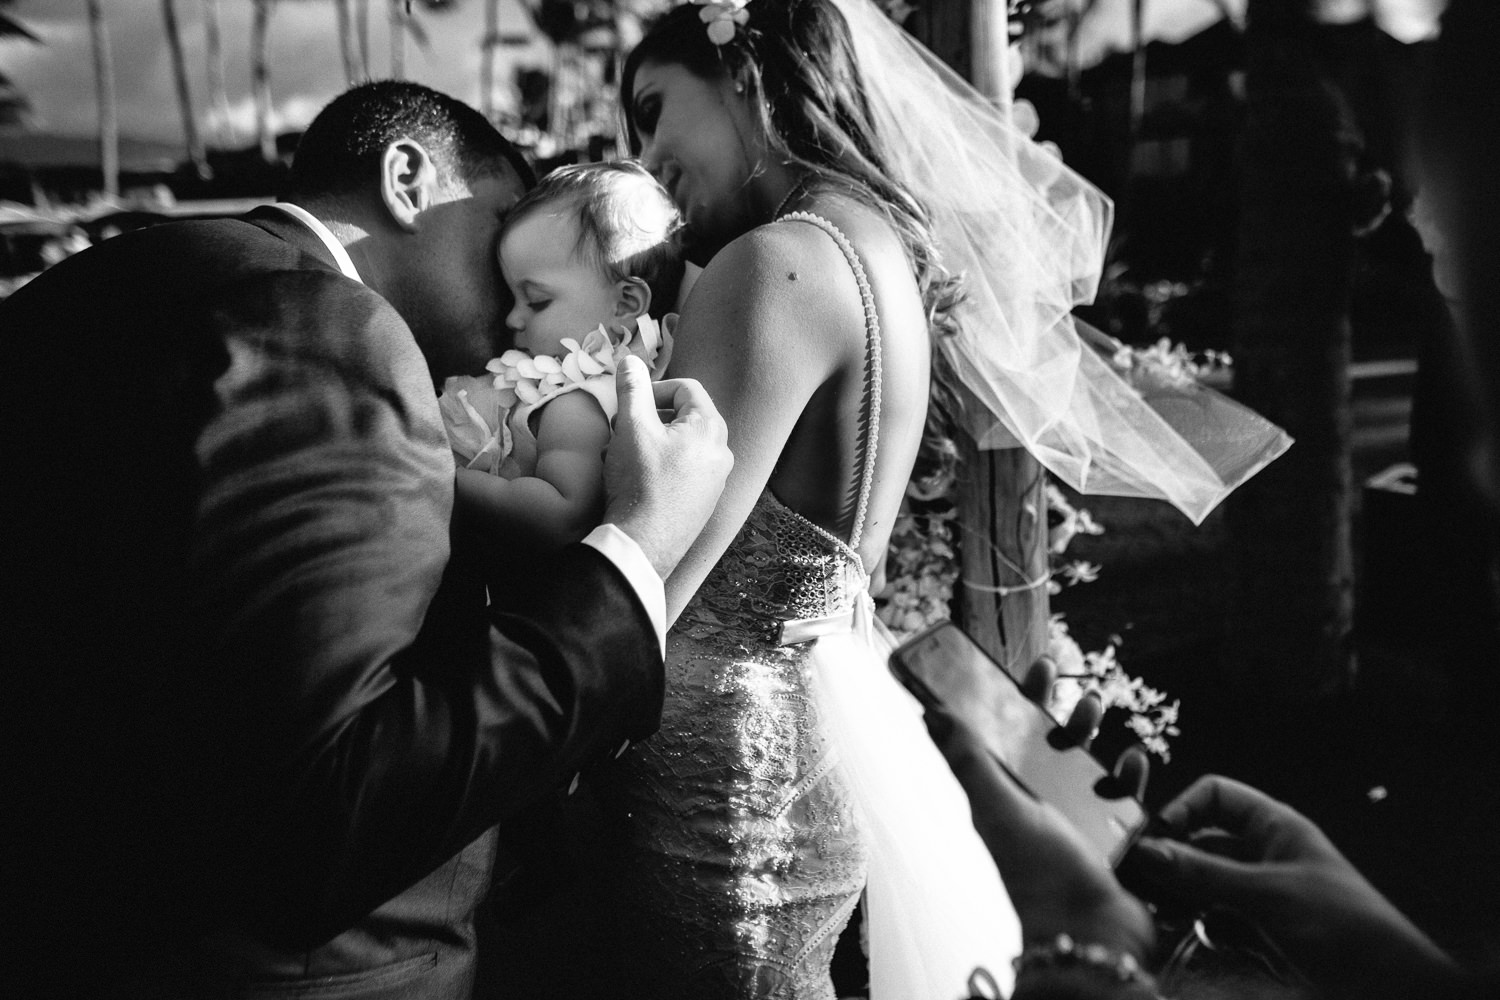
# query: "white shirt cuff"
622,550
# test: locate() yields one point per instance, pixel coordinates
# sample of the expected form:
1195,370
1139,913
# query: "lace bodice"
781,567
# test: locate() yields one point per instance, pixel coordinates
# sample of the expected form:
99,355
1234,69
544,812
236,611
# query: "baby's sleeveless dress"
746,843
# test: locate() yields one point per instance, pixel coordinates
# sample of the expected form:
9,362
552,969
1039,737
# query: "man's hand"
663,477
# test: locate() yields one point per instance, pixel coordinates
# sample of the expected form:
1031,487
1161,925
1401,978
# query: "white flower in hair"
721,16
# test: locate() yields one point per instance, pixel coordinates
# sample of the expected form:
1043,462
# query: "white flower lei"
520,377
475,407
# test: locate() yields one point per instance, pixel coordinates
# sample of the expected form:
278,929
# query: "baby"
585,254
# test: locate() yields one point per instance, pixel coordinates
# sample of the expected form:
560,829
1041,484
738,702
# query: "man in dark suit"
260,726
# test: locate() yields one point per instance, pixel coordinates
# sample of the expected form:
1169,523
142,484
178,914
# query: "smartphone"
945,668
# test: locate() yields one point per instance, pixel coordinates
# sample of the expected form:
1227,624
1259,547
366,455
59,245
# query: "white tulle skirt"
935,908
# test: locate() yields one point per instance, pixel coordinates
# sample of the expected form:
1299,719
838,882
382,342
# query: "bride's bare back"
775,331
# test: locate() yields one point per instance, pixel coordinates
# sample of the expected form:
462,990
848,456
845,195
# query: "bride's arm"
766,324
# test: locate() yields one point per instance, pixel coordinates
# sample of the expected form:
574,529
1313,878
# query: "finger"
1217,801
1039,678
1083,723
691,403
673,392
1132,769
1181,872
633,387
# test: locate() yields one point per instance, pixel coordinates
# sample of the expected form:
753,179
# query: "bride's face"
699,138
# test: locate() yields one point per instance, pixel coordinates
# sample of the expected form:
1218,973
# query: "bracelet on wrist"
1062,952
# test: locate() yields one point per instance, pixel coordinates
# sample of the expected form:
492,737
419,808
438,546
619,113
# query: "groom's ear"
408,181
632,298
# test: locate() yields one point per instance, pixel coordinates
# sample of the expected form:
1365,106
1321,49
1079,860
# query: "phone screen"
943,666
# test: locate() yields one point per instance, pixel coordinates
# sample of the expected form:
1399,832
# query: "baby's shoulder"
574,418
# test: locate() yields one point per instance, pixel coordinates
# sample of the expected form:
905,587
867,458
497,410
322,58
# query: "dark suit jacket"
252,738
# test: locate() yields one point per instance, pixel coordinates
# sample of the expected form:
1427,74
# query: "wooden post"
1001,597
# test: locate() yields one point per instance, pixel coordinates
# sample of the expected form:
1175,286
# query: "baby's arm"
564,499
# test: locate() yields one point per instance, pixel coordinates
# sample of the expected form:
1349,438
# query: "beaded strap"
872,367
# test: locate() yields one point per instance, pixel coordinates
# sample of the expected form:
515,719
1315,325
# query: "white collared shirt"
613,543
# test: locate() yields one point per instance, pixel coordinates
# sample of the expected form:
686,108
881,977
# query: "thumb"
1186,872
633,387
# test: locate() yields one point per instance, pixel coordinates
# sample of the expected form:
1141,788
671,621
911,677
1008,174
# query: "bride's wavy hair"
795,61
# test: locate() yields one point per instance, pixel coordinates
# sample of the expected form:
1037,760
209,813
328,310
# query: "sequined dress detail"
743,860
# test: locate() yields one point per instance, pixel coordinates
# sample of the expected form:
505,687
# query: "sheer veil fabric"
1028,235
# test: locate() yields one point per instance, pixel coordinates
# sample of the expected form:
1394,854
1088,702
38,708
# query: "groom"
261,725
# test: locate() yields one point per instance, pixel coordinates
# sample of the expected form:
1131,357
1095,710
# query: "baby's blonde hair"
627,224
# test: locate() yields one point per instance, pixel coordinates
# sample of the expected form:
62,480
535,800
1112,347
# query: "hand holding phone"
946,669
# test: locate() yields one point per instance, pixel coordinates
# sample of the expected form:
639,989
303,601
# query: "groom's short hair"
341,150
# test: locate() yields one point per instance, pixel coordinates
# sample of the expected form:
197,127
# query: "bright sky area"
306,69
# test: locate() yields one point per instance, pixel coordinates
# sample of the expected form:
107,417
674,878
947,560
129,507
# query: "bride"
790,769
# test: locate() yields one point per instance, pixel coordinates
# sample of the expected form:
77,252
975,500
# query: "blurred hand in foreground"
1231,845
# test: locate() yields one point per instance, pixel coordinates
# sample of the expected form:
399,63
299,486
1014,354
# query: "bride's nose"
651,158
667,174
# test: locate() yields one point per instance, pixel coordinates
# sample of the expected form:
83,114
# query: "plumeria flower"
521,378
1078,571
652,342
721,16
595,356
507,374
1064,696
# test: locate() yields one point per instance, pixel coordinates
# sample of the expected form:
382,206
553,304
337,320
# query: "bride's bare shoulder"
776,245
781,266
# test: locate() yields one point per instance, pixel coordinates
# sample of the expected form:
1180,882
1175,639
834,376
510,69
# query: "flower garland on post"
1148,714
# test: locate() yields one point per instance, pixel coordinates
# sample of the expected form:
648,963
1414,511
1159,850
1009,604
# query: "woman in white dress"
790,769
